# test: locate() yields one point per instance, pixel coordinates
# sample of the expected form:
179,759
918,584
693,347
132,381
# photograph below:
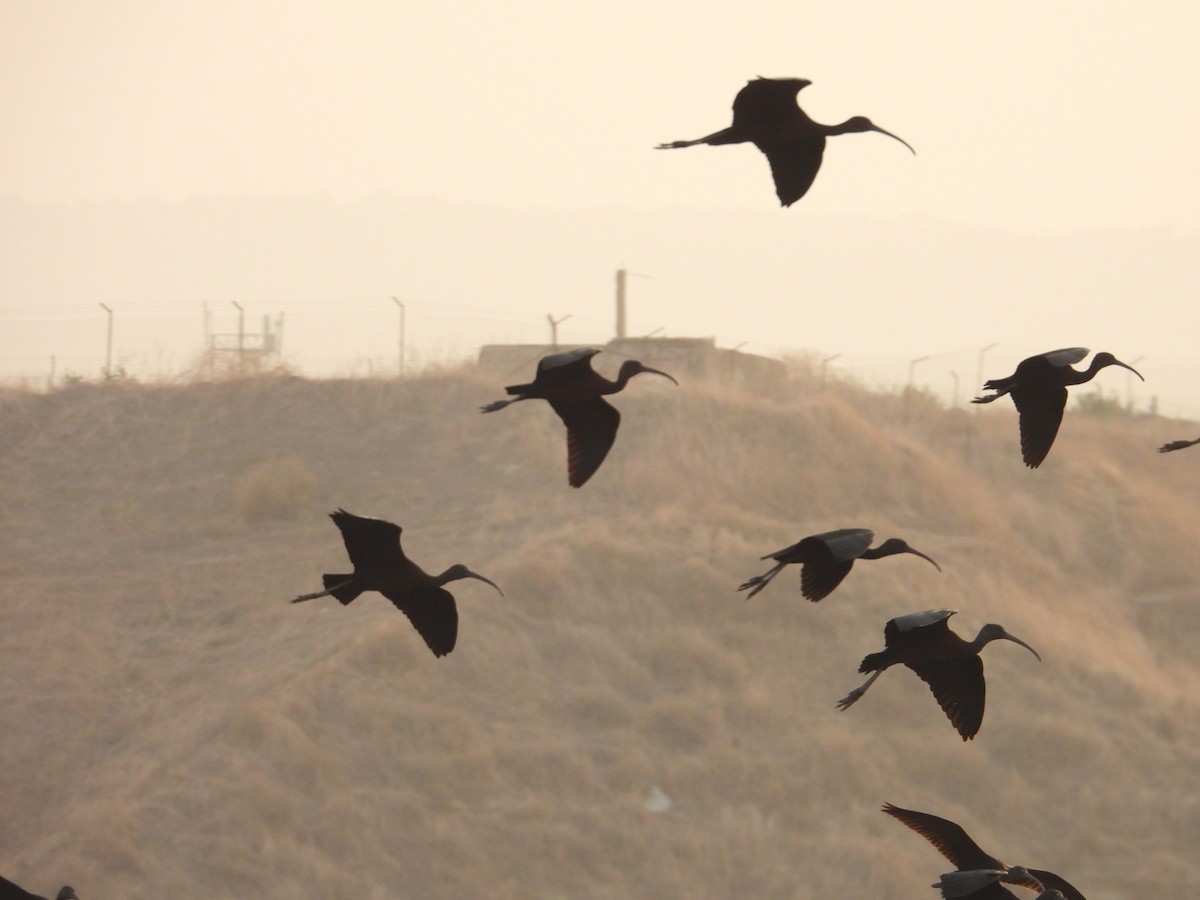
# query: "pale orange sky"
1042,118
1030,115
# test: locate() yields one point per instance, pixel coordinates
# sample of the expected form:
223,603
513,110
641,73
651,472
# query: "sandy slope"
174,727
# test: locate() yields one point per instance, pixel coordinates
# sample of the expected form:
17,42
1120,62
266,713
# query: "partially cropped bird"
826,559
576,392
10,891
1039,391
1177,445
380,565
950,666
983,883
956,845
765,114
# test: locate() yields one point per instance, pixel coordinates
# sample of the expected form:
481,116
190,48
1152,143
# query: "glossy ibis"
950,666
10,891
576,392
1039,391
827,558
956,845
380,565
765,114
1177,445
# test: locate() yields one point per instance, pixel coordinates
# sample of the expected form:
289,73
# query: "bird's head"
459,571
67,893
993,632
1107,359
899,545
857,124
632,367
1022,876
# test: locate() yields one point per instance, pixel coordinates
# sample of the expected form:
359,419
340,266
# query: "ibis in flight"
380,565
1177,445
950,666
956,845
10,891
576,392
765,114
1039,390
825,559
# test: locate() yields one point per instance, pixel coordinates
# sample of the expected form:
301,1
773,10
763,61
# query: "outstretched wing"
591,429
433,613
1040,411
794,164
765,102
818,579
369,542
959,688
949,838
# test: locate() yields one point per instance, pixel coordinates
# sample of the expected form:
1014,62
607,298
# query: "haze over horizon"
191,116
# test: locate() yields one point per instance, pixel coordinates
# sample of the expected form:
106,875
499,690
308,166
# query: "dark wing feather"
591,429
847,543
369,542
1052,881
794,164
1065,357
1041,412
817,580
766,102
10,891
433,613
948,837
959,688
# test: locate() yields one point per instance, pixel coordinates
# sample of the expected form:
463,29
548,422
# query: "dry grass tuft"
277,489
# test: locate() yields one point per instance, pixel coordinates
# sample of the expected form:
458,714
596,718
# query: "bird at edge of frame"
951,666
766,114
953,842
1177,445
380,565
1039,391
10,891
827,558
576,391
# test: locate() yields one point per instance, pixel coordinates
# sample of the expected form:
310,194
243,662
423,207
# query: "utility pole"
554,323
1129,386
108,348
400,357
241,336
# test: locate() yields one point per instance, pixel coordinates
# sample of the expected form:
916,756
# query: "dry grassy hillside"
174,727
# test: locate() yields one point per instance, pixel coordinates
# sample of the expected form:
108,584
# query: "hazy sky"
1026,114
1035,117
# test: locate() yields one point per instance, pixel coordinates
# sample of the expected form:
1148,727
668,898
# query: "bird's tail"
346,592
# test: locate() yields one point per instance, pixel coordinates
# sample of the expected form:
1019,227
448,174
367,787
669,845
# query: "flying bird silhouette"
765,114
10,891
826,558
1039,391
1177,445
982,883
956,845
576,392
950,666
380,565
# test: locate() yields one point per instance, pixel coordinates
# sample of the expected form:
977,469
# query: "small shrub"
275,489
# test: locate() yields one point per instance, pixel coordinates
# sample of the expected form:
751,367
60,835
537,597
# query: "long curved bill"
1017,640
476,575
1130,368
895,137
658,372
923,556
